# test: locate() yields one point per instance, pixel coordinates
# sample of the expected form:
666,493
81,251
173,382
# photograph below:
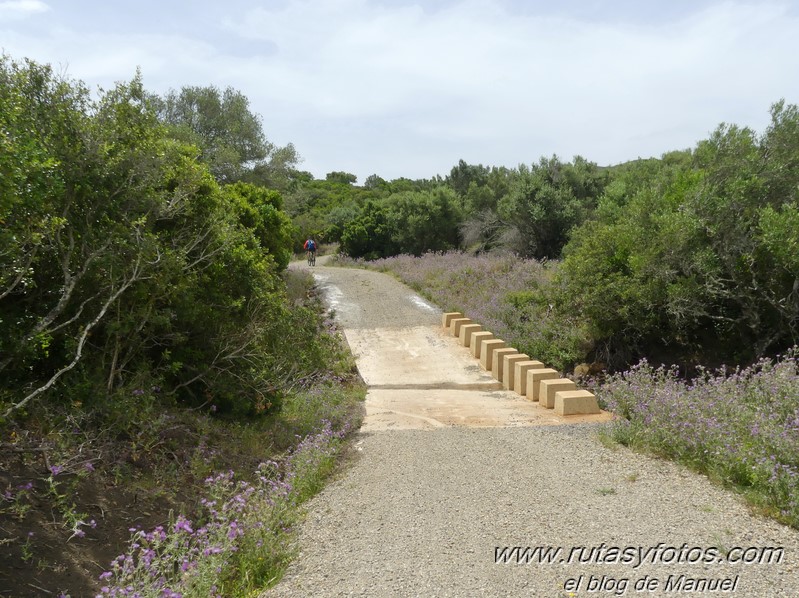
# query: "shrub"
738,426
241,542
695,255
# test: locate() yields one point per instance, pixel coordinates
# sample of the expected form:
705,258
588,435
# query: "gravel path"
421,512
368,299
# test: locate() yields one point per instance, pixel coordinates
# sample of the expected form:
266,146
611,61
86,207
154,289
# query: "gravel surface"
421,512
367,299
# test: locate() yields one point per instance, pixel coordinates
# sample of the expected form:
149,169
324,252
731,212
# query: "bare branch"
21,274
82,341
70,282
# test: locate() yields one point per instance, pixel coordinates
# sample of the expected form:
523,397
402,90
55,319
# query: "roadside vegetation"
737,425
164,376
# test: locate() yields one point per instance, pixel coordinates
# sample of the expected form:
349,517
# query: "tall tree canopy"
230,136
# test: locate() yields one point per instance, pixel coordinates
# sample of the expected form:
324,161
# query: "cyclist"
310,247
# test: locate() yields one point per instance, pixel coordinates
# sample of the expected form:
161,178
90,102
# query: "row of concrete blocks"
517,372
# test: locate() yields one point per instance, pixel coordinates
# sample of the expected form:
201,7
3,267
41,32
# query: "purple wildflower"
183,524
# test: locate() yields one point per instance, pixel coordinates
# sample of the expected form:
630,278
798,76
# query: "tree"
122,260
230,137
370,234
695,253
277,171
407,222
260,210
749,180
547,200
424,220
337,220
483,229
81,241
375,182
344,178
462,176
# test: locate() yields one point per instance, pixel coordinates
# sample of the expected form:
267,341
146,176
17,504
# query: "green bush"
547,200
695,256
411,222
124,265
260,210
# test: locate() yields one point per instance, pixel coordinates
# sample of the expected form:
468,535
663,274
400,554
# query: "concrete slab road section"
419,373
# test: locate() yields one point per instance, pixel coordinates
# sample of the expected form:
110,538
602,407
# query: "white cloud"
20,9
525,85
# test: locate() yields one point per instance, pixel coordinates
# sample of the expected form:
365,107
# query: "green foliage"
375,182
230,137
695,256
125,266
547,200
260,210
538,327
407,222
324,208
779,234
343,178
370,234
463,176
424,220
481,189
320,208
338,218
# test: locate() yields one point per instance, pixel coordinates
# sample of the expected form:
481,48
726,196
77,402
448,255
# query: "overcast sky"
409,87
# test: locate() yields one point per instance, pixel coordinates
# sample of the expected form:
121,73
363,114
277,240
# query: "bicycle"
311,258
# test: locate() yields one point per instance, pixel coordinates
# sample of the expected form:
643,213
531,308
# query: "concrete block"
487,348
575,402
509,368
476,342
520,374
534,378
497,362
455,325
548,388
448,317
465,335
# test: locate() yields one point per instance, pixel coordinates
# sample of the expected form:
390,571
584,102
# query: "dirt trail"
451,473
